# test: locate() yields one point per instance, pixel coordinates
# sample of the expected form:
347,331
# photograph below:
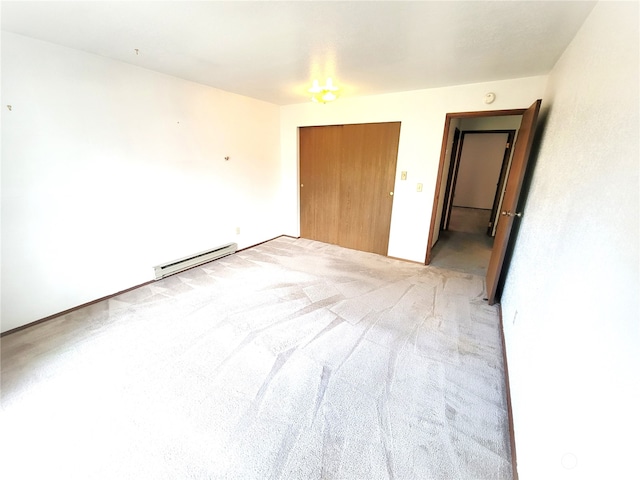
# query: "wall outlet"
403,176
237,230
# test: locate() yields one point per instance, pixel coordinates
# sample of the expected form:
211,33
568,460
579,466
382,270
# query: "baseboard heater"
181,264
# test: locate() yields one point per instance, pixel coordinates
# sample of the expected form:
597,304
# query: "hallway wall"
479,170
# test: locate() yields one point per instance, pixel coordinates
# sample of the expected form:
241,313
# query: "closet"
347,176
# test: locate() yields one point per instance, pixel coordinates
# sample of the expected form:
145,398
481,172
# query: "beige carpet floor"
290,360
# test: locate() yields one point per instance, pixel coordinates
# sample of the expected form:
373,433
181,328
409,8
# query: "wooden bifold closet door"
347,175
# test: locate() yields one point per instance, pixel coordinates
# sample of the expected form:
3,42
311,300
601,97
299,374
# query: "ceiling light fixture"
323,93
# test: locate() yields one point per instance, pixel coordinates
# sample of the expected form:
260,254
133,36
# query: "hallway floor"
465,247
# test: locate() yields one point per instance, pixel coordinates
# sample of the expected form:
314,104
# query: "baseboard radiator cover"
185,263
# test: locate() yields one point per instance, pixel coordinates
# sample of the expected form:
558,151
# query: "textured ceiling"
272,50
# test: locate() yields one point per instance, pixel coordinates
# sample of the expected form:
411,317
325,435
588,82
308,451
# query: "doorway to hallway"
508,206
475,180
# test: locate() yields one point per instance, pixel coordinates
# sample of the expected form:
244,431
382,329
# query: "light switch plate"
419,187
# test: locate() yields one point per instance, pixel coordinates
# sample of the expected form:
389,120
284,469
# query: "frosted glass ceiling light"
323,93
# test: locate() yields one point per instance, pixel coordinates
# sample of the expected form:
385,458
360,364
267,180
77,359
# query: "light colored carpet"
291,360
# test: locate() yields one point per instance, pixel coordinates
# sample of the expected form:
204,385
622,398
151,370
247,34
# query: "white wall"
422,114
570,304
109,169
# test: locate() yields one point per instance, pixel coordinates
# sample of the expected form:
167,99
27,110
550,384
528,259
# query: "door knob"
508,213
391,194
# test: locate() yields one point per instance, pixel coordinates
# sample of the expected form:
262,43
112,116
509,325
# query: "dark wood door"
320,159
347,183
367,179
522,150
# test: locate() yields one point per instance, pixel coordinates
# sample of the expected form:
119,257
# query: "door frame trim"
443,159
456,150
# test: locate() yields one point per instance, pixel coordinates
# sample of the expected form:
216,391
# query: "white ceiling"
272,50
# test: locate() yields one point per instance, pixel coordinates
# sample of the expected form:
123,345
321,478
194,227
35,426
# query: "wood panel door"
367,178
320,159
515,177
347,175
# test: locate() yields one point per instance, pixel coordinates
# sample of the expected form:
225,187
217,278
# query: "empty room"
320,240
